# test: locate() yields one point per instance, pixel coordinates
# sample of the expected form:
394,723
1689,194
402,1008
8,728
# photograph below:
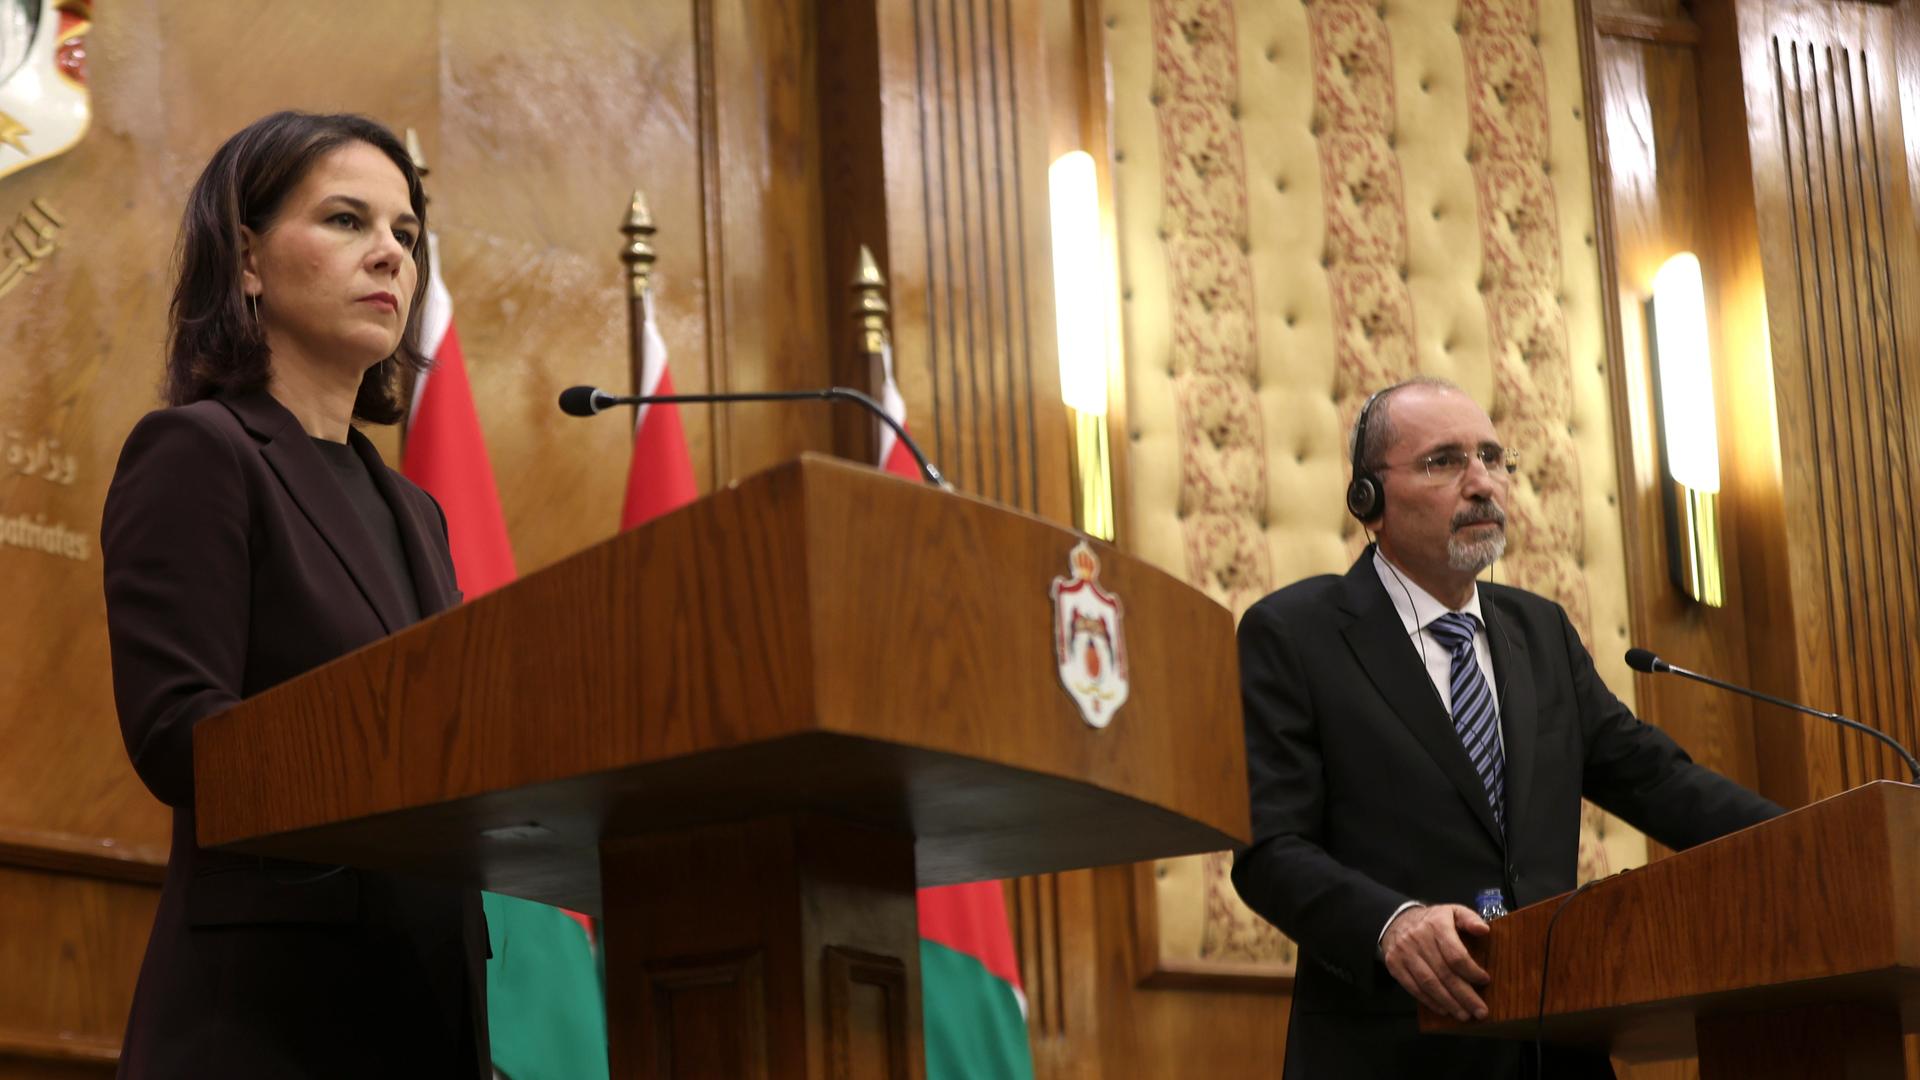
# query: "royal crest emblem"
44,108
1087,639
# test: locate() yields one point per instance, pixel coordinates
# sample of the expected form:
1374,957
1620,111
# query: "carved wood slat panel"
1033,912
968,248
1838,131
933,129
980,339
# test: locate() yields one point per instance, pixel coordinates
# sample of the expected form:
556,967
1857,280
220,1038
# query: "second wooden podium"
1789,949
743,734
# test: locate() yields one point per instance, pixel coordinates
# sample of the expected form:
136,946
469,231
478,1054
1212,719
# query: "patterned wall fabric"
1315,200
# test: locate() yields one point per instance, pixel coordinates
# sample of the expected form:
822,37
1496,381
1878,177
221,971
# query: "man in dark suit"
1416,738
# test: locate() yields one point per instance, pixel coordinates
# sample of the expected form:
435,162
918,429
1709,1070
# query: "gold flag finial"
638,254
419,159
869,272
418,155
870,302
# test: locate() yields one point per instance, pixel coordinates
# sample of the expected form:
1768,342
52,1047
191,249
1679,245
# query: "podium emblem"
1087,639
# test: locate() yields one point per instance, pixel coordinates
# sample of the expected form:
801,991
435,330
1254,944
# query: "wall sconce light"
1082,315
1689,433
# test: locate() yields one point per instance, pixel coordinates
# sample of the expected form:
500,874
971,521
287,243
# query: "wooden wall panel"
1837,109
1814,256
68,948
1058,942
967,247
552,114
1651,175
1182,1031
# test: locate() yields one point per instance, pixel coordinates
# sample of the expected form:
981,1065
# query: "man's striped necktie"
1474,717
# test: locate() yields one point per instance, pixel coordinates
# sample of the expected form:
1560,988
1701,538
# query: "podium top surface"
1816,906
818,638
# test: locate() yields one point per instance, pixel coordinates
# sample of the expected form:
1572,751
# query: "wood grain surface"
772,947
1646,122
1812,909
820,637
1810,222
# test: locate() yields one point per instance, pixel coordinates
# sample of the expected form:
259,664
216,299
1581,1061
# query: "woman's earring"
253,306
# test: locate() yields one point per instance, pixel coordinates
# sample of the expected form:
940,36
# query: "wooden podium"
743,734
1790,949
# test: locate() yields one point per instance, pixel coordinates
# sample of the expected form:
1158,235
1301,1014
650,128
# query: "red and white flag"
445,452
894,455
660,477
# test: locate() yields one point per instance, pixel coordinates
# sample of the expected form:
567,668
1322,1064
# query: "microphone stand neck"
832,393
1913,766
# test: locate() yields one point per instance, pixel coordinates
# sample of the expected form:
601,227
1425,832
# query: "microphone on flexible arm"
589,400
1645,660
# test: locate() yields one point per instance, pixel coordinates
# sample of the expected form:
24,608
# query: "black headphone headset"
1366,495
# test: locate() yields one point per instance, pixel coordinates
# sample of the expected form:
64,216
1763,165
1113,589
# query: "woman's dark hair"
214,343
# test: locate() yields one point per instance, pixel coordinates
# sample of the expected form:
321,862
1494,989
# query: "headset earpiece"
1364,498
1366,495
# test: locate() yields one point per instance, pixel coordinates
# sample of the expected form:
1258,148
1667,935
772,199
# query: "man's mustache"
1481,513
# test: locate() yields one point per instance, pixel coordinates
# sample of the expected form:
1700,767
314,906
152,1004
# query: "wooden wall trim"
58,1049
1096,89
712,238
1156,972
36,849
1621,24
1594,26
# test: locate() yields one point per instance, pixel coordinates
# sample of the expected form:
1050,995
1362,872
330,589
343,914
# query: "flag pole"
639,256
419,159
870,313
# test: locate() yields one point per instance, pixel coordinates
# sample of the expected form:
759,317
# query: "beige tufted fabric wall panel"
1315,200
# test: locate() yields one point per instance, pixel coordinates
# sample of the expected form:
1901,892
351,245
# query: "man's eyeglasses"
1448,466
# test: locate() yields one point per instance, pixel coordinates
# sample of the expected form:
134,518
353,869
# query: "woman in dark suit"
251,534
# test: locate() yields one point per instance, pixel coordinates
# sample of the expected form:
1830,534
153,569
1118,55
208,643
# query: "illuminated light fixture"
1083,317
1689,433
1079,279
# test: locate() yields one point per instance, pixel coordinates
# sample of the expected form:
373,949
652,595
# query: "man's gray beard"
1471,557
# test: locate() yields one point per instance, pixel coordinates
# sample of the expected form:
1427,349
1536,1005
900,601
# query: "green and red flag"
974,1013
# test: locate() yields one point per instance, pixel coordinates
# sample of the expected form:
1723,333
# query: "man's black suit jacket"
234,561
1363,798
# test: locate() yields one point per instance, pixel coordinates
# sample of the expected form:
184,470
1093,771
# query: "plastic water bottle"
1490,903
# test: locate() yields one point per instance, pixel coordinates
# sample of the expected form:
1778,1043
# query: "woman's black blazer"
233,562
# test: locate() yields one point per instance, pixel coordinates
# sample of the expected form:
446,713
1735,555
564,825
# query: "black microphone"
589,400
1645,660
